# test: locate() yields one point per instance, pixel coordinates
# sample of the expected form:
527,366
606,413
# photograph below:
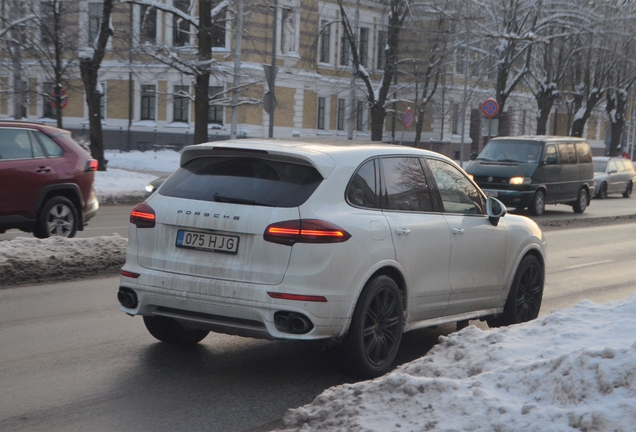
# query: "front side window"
94,21
458,194
325,41
406,186
16,144
550,157
243,180
215,115
363,186
148,102
181,103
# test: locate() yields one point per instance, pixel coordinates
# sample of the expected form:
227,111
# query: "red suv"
46,181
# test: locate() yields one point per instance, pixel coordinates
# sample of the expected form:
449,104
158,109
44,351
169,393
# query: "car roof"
541,138
31,125
601,158
325,155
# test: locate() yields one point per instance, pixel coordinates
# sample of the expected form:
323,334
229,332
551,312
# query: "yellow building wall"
117,99
162,100
4,97
32,100
75,106
284,113
592,125
310,105
333,117
252,114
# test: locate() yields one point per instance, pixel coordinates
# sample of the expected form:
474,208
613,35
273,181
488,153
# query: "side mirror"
473,155
612,171
495,210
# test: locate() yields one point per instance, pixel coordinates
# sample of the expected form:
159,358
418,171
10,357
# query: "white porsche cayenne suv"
355,243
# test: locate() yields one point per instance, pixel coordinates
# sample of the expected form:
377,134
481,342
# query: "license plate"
493,194
207,242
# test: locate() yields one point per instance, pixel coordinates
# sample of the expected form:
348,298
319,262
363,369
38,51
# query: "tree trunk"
378,114
545,101
616,104
202,84
583,114
18,90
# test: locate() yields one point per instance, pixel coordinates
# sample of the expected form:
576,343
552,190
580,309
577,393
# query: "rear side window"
243,180
362,188
51,148
567,153
407,188
584,152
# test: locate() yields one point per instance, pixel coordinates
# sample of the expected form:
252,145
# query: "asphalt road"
70,361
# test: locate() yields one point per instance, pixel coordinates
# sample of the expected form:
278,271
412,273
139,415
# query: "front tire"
524,298
581,202
170,331
58,217
376,328
602,193
628,190
537,207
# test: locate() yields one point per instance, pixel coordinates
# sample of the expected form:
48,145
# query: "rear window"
243,180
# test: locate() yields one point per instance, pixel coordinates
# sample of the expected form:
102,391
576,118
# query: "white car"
354,243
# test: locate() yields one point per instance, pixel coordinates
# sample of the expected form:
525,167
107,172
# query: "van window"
567,154
550,155
584,152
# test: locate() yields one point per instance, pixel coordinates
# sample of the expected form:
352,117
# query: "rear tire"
602,193
170,331
581,202
524,298
628,190
537,207
58,217
376,328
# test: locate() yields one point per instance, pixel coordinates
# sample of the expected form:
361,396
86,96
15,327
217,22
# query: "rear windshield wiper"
227,199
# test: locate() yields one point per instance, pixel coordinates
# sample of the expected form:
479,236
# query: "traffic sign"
490,108
63,99
408,118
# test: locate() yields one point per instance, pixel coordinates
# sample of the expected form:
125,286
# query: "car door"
548,173
420,236
24,171
478,249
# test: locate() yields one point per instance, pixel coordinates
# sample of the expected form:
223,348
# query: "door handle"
43,169
402,231
458,230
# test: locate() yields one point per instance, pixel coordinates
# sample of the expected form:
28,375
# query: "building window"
321,113
46,28
364,46
215,114
148,101
181,103
218,27
180,27
101,87
381,49
341,114
460,57
48,89
94,21
360,116
522,131
147,24
344,49
455,121
325,41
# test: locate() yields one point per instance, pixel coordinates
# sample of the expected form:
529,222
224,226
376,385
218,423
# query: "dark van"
532,171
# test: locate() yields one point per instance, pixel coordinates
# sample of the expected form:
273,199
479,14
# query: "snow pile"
30,260
570,370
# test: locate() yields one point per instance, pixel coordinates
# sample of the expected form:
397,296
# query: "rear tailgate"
214,225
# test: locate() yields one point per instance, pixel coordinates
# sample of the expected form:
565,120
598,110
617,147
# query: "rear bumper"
230,307
91,207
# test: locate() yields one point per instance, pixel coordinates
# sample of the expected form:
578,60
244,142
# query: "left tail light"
142,216
91,165
305,231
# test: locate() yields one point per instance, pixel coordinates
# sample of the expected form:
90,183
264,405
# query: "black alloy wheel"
524,300
376,328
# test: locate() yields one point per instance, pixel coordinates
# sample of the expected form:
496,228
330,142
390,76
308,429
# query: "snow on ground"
570,370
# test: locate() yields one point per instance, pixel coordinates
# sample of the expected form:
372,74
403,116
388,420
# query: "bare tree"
377,97
89,63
